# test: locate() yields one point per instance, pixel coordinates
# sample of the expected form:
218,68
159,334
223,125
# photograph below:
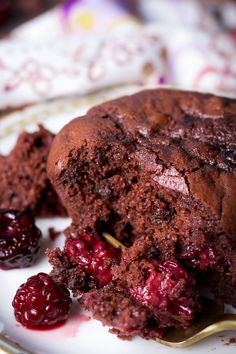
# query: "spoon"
213,319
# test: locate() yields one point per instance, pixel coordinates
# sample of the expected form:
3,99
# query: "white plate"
80,334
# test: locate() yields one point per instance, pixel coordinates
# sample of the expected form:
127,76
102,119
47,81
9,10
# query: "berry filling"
170,292
202,260
19,239
40,302
94,255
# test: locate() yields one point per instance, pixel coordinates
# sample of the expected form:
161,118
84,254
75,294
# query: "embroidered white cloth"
86,45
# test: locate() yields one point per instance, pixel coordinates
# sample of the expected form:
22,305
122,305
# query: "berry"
204,259
94,255
19,239
170,292
40,302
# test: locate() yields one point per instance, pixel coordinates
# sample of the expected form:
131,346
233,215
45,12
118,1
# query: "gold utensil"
213,319
8,346
113,241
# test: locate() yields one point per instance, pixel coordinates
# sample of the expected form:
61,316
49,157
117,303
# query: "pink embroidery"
96,70
36,75
121,53
225,72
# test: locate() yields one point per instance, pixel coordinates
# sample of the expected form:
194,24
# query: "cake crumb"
53,234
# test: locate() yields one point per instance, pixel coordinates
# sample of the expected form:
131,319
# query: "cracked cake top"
184,141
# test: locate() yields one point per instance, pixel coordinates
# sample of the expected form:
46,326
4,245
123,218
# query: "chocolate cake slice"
157,170
24,184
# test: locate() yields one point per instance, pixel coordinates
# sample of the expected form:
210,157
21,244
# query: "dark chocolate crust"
24,184
160,166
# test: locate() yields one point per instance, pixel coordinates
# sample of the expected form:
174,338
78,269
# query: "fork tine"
113,241
226,322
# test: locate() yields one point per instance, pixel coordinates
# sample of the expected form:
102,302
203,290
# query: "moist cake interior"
157,171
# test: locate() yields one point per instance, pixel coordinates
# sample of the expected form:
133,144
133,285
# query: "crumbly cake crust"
24,183
156,168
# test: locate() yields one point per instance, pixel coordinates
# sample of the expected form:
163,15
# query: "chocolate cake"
157,170
24,184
